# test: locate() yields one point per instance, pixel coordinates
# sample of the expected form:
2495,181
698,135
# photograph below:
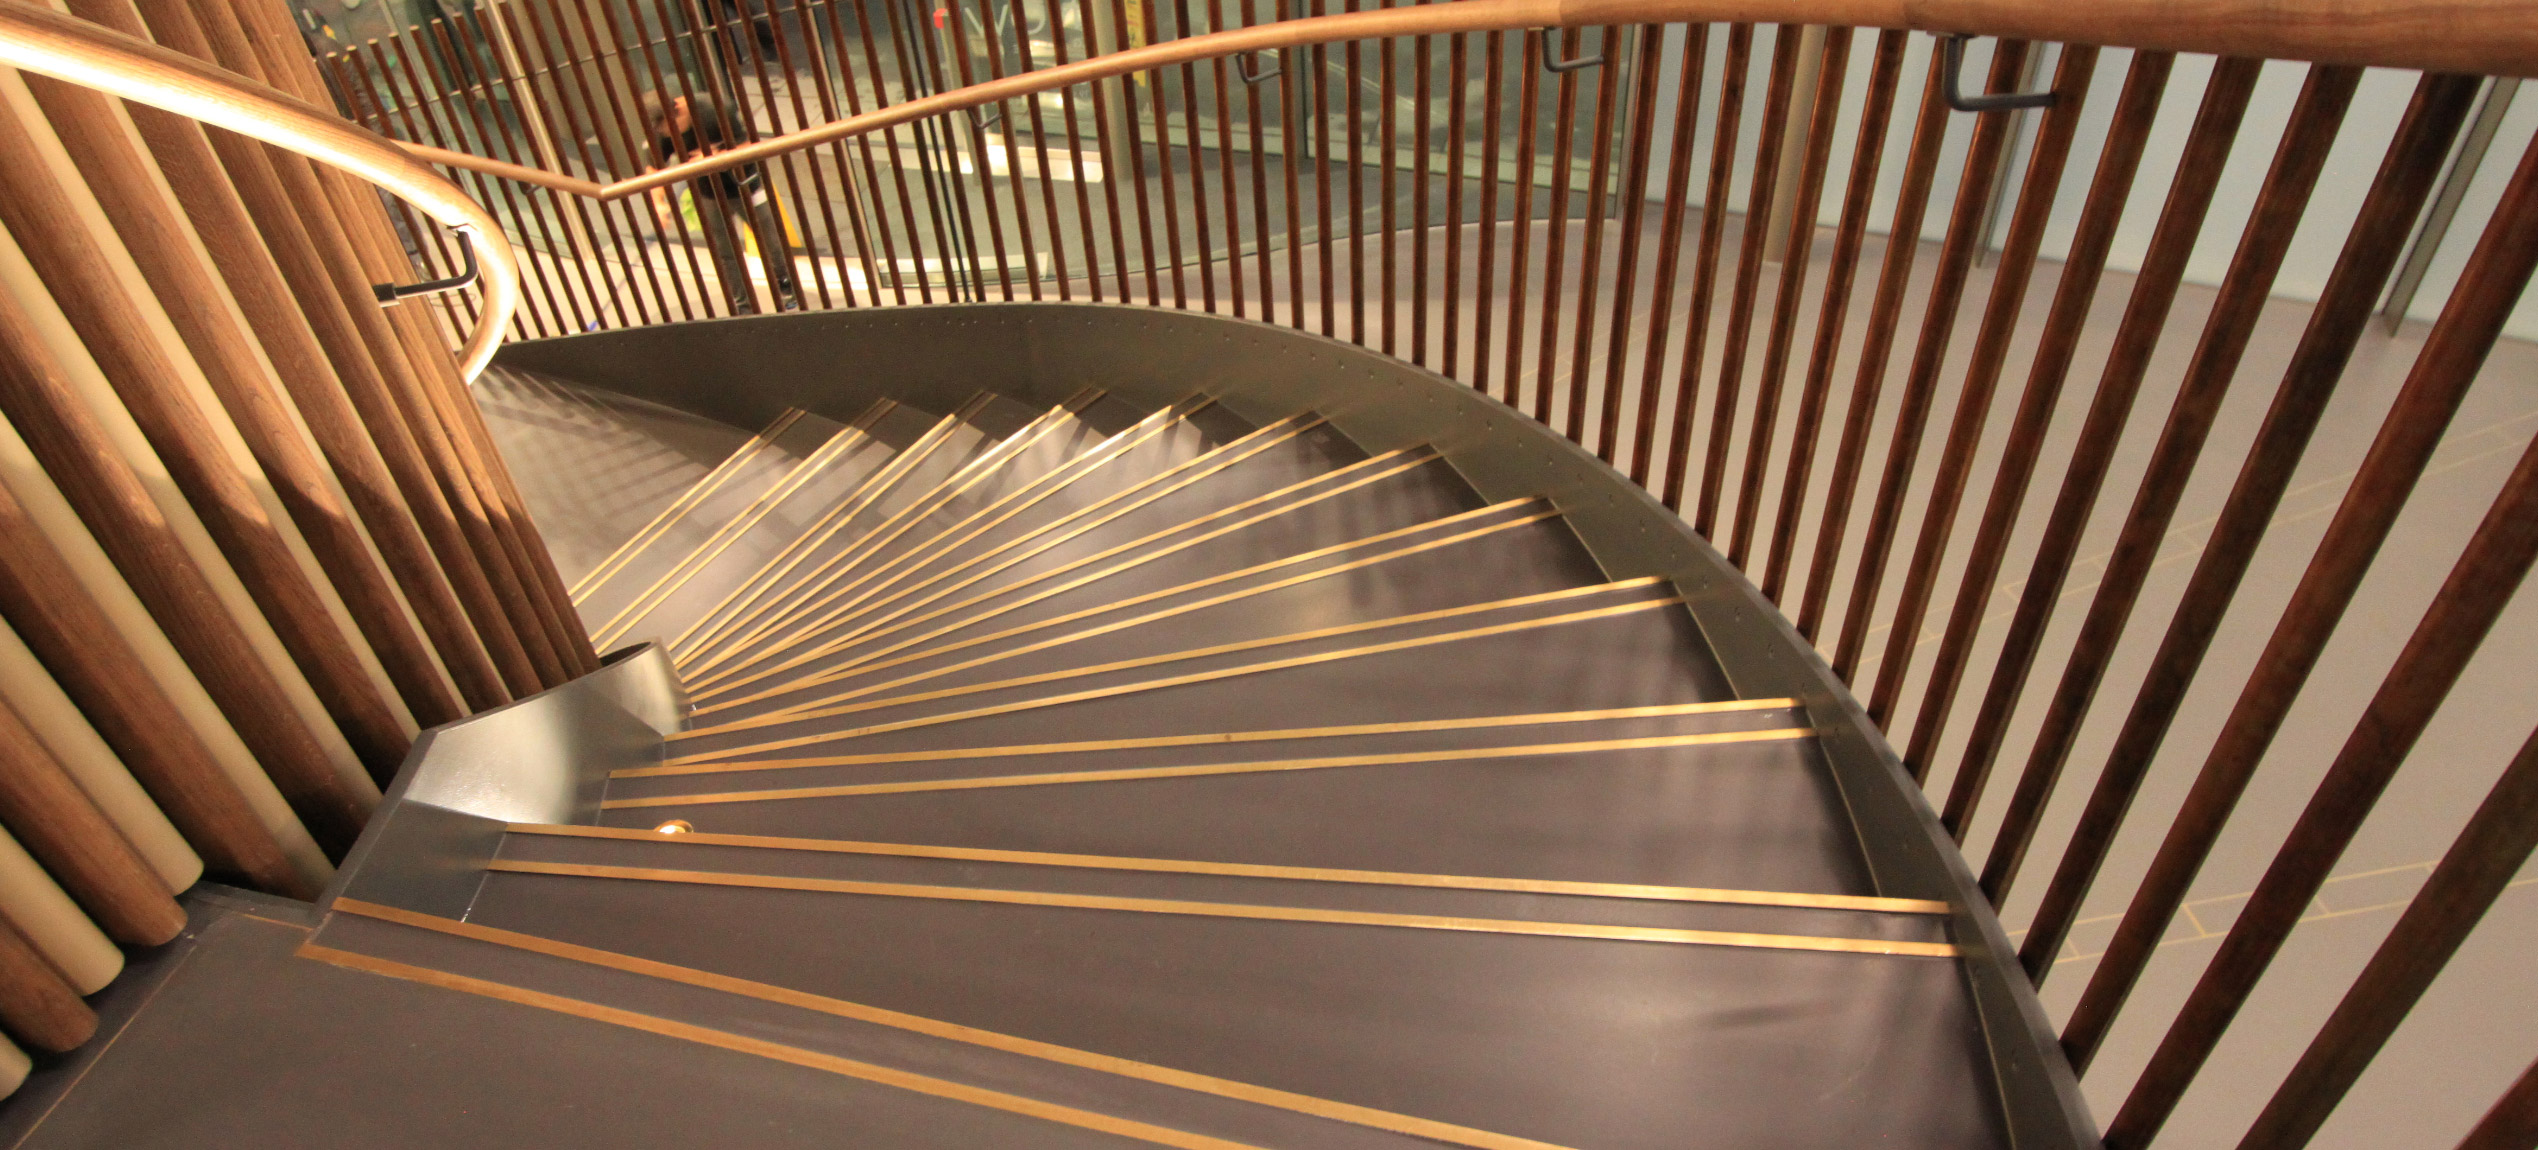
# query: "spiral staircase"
1275,747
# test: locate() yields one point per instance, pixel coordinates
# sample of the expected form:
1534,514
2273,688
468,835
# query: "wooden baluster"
1946,292
1687,119
1634,206
1833,314
46,810
1696,327
1894,279
1752,233
2452,353
2010,276
48,607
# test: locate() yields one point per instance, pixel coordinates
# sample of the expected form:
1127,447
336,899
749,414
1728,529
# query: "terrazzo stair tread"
757,467
997,416
844,533
749,543
1123,559
602,978
1640,658
1678,1045
647,851
1224,425
466,1071
594,468
787,770
1758,815
1496,554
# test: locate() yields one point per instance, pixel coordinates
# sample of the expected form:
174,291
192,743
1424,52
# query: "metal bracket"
391,293
1954,45
1244,71
1558,66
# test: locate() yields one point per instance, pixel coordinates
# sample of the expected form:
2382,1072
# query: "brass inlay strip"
822,590
961,481
810,707
696,493
1173,680
773,1051
830,452
1022,499
1125,774
1669,935
932,1028
1797,899
770,616
1665,710
714,685
870,489
1063,531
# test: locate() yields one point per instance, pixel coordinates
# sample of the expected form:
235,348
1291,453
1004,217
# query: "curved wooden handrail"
40,40
2489,37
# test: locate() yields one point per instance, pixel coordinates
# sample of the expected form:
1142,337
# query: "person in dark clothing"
691,127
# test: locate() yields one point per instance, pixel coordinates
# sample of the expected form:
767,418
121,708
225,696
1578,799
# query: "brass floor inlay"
1129,774
678,766
742,1044
691,836
1455,923
993,1040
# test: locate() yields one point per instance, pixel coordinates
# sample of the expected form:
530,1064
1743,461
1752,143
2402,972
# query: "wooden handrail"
40,40
2489,37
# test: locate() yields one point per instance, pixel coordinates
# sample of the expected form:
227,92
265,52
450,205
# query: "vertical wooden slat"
2513,1122
1226,187
1457,104
92,860
1492,88
1546,350
574,222
2480,586
1260,180
163,249
2436,386
819,183
1356,105
1894,278
45,407
559,66
1833,313
2335,327
1387,81
1687,118
2010,275
1696,327
2480,863
37,1006
1163,161
1944,295
2225,99
316,350
1203,233
1528,93
1591,261
1321,108
1134,146
48,607
1294,96
1752,233
71,738
1833,64
432,121
637,151
2119,160
322,199
872,232
1422,80
43,214
899,169
1634,204
1040,153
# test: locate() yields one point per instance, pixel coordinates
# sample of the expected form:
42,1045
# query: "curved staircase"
1102,772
